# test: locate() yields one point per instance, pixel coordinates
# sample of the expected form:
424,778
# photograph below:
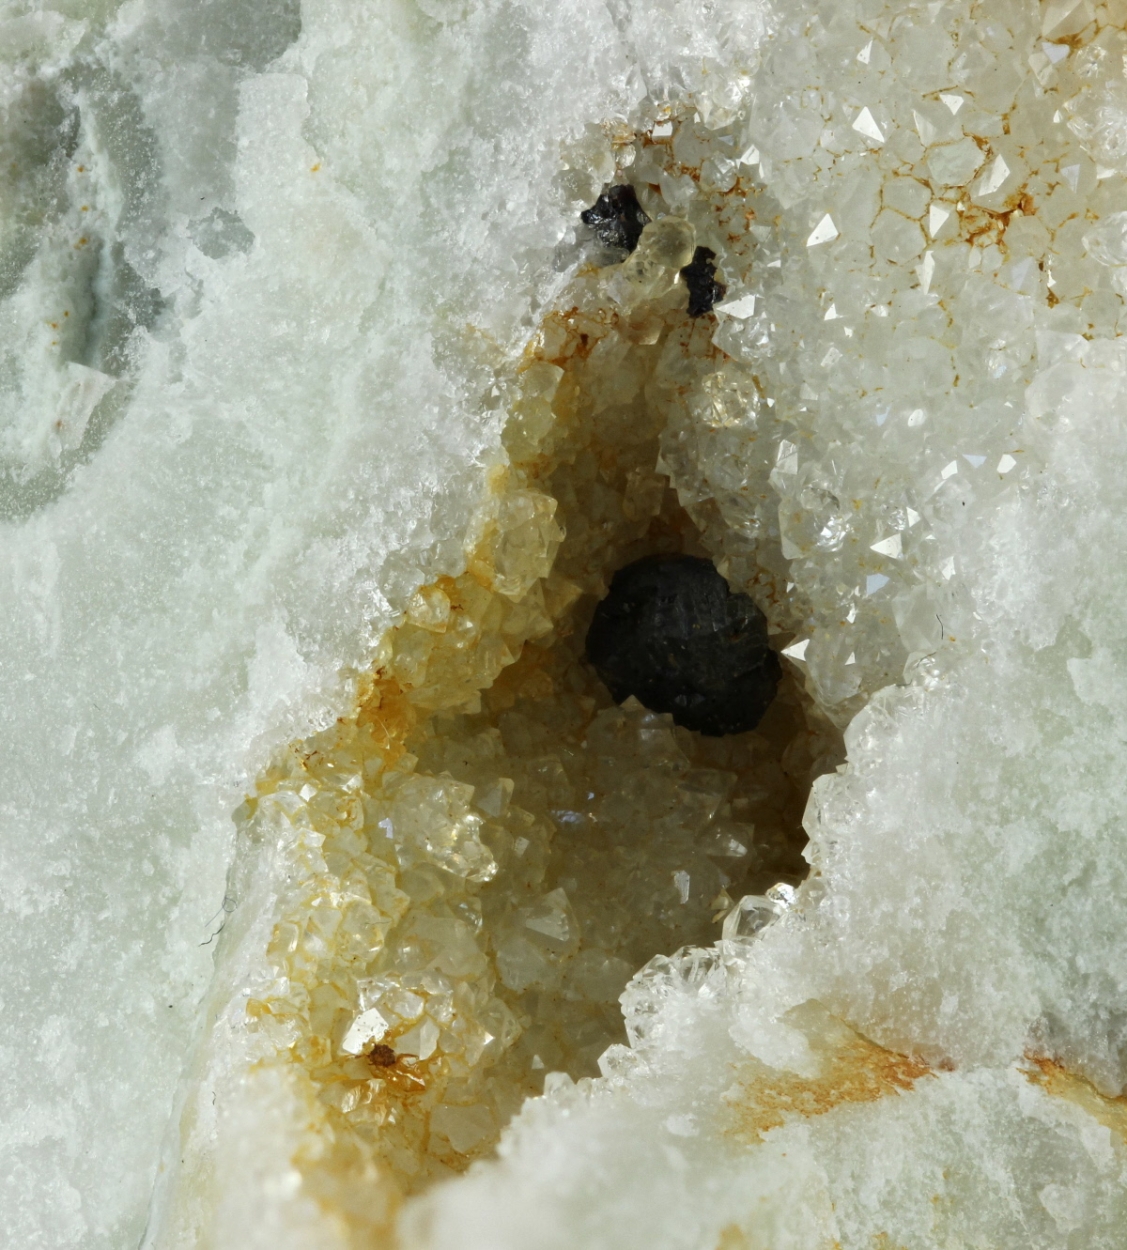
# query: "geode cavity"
672,634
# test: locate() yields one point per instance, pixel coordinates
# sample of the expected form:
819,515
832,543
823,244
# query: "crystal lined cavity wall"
755,415
929,401
490,848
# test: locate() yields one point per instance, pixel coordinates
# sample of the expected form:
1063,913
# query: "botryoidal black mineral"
616,217
672,634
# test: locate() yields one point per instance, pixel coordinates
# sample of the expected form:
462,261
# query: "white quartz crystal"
267,272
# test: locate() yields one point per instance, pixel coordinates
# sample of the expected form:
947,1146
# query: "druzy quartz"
287,293
672,634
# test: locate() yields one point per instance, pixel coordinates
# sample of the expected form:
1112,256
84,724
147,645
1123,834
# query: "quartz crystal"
343,905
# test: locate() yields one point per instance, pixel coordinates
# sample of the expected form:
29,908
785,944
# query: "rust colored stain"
388,713
384,705
580,331
854,1070
987,225
403,1073
1055,1079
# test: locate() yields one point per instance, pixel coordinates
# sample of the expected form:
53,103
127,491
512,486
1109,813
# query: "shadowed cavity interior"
486,853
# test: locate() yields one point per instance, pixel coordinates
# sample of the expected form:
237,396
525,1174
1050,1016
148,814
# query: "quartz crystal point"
673,635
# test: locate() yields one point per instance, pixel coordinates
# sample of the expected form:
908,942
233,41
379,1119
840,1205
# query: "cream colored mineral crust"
491,918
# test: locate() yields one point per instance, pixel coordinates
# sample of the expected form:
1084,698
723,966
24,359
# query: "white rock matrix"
324,422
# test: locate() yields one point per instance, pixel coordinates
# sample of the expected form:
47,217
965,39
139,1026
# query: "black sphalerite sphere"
672,634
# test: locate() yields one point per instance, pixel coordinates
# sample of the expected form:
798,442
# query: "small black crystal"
616,217
699,275
672,634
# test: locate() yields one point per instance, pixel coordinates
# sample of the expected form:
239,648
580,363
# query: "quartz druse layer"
349,352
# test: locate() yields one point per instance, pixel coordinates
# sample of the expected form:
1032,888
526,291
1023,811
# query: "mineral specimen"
699,276
616,217
318,429
672,634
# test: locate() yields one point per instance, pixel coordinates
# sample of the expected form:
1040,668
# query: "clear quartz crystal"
753,913
783,894
666,247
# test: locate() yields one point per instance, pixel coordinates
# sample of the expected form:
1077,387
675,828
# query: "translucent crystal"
954,164
823,232
368,1027
1107,243
751,914
665,248
783,894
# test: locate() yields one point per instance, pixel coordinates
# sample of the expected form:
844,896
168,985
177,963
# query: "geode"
672,634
